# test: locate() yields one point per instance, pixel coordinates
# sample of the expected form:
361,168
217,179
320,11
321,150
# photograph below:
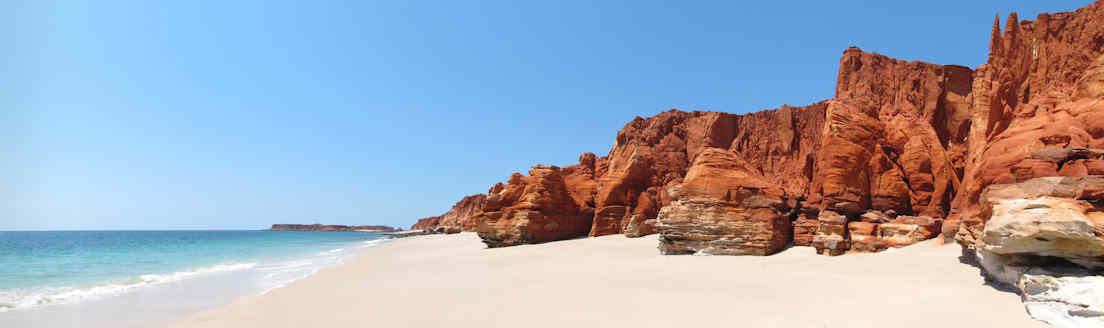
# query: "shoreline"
157,298
438,280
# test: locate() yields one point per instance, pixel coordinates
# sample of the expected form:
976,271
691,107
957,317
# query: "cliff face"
652,156
458,218
893,144
426,223
893,137
1041,88
461,216
900,154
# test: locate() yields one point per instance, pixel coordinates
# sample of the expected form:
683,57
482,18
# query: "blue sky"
239,114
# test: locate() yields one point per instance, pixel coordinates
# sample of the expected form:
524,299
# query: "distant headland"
331,227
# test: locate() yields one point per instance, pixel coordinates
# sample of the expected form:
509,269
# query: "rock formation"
1006,159
1045,236
1030,206
426,223
461,216
652,156
900,154
1041,88
531,209
725,207
892,137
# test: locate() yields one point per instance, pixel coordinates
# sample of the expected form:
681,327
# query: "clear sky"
239,114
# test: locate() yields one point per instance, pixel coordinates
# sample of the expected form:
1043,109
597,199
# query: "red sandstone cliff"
531,209
1042,88
900,154
461,216
426,223
893,144
652,156
458,218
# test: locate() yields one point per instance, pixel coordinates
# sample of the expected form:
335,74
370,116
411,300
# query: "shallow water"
144,278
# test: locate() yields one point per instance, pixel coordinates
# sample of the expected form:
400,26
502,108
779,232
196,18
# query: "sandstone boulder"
1045,236
908,230
805,229
531,209
875,216
1047,226
724,208
832,237
1083,188
864,237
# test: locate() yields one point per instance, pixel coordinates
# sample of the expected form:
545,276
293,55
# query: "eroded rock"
832,237
1047,226
531,209
724,208
1064,301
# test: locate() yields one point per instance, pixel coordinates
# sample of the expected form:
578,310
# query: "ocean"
149,278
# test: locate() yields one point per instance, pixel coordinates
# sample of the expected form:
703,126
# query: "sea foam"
259,275
18,299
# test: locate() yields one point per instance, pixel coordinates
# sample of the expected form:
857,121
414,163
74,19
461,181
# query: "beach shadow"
969,258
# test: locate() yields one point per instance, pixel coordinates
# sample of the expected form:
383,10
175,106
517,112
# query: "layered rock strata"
1045,237
1041,88
650,157
1031,196
725,207
531,209
461,216
429,223
900,154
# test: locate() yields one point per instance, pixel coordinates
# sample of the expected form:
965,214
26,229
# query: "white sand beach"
613,281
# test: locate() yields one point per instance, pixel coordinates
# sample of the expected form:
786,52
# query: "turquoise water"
39,269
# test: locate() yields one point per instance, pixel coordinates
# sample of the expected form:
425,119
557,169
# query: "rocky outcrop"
1041,88
1043,217
1046,226
651,156
1045,236
330,227
647,155
580,181
1064,299
461,216
415,233
900,154
531,209
1030,206
832,236
725,208
865,237
805,229
426,223
892,144
893,137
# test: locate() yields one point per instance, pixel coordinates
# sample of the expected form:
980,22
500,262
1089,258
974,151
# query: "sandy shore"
613,281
